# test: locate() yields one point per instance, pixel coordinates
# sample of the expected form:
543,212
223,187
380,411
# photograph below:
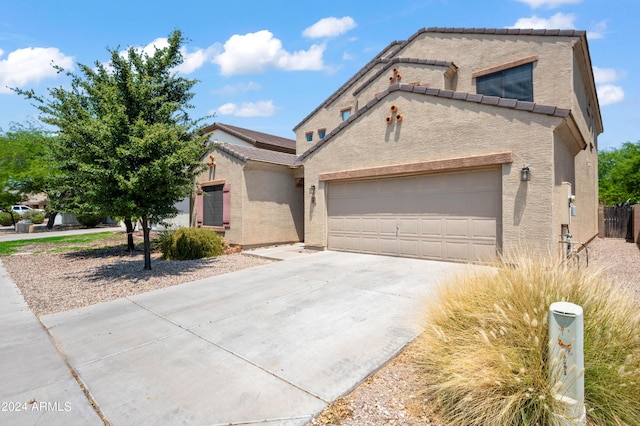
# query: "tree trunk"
52,219
131,247
147,242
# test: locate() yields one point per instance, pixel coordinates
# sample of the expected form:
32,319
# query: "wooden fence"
618,222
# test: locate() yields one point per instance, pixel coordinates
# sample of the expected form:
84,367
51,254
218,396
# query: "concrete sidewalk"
269,345
37,386
12,236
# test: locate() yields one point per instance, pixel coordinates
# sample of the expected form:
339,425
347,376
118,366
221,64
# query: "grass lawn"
64,243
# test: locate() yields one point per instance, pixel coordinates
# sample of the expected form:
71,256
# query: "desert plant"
34,216
192,243
483,355
162,240
90,220
5,218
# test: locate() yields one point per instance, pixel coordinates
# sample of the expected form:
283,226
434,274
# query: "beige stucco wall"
266,206
273,205
437,128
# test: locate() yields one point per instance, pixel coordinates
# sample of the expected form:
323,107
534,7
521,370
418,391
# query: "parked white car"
22,209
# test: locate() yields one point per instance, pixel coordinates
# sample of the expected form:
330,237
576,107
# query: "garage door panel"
352,225
388,246
456,227
457,251
449,216
387,226
409,227
483,228
336,224
431,227
432,249
408,248
369,225
369,245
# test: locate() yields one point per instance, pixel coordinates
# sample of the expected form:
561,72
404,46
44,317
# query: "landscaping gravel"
53,282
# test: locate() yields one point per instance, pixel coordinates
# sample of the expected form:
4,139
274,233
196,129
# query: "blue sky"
265,65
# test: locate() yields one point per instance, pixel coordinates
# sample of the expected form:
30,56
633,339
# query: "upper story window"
322,133
513,83
345,113
309,136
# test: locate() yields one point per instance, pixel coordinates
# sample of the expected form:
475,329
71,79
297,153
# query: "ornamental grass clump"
191,243
483,355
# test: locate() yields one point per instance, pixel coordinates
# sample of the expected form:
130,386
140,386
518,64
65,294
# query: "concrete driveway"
270,345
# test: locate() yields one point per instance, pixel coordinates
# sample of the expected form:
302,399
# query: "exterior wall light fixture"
312,192
525,173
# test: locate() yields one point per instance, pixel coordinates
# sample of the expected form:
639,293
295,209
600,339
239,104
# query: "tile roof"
257,139
396,46
441,93
248,153
392,62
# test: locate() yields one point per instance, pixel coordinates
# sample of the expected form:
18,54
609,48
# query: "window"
345,113
309,136
322,133
513,83
214,205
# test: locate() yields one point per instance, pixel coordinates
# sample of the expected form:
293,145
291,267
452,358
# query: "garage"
445,216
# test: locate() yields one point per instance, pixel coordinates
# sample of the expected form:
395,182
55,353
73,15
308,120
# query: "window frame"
308,136
225,199
344,111
322,133
503,76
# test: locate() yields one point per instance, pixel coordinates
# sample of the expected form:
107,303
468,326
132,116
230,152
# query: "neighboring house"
249,193
426,151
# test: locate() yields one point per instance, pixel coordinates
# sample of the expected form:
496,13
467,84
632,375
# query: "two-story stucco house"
456,144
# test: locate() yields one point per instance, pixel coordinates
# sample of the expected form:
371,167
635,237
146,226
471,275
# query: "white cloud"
260,51
607,75
230,89
347,56
247,109
191,60
534,4
558,21
609,94
30,65
598,31
330,27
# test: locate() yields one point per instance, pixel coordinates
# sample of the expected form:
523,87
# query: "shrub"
90,220
191,243
34,216
483,355
5,219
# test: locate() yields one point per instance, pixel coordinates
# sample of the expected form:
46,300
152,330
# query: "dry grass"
483,356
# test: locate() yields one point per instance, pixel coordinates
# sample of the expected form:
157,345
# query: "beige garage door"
448,216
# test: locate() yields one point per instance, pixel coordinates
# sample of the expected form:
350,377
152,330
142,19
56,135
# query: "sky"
265,65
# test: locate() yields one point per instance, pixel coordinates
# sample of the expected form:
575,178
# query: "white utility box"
566,360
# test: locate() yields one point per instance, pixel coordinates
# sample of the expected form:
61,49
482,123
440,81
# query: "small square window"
322,133
346,113
309,136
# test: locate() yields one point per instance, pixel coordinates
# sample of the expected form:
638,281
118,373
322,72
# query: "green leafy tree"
24,165
619,174
126,144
